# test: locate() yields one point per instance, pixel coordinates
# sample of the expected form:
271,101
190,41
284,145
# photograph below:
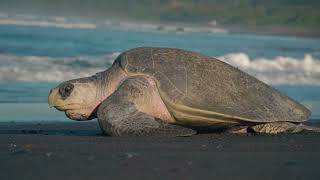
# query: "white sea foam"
67,23
276,71
279,70
160,27
48,69
54,21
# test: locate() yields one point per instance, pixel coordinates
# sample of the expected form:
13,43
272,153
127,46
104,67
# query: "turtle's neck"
109,80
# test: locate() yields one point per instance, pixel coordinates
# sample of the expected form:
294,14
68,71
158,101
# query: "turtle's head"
78,98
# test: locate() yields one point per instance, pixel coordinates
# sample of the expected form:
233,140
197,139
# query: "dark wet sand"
77,151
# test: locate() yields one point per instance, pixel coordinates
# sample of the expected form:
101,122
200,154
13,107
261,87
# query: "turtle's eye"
66,89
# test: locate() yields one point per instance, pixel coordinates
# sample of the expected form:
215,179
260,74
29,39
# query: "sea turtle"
174,92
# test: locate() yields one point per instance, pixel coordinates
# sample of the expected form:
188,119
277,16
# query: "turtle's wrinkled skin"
173,92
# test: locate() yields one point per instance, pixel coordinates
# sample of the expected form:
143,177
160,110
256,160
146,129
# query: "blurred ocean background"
37,53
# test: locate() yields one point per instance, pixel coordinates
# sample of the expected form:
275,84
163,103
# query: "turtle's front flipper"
283,127
122,114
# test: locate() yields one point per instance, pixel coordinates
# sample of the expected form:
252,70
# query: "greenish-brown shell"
201,90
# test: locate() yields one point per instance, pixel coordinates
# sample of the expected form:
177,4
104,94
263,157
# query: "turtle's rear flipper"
283,127
307,129
118,115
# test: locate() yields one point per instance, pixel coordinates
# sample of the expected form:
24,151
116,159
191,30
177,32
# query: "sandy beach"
77,150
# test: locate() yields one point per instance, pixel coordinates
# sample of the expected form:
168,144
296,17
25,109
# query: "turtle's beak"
53,96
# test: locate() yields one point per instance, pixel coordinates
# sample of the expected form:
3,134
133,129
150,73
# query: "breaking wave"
48,69
279,70
151,27
53,21
69,23
276,71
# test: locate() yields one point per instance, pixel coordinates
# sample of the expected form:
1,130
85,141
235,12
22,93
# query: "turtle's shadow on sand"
74,128
52,132
51,128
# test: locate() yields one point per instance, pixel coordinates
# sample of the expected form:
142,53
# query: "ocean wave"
54,21
275,71
48,69
69,23
160,27
279,70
